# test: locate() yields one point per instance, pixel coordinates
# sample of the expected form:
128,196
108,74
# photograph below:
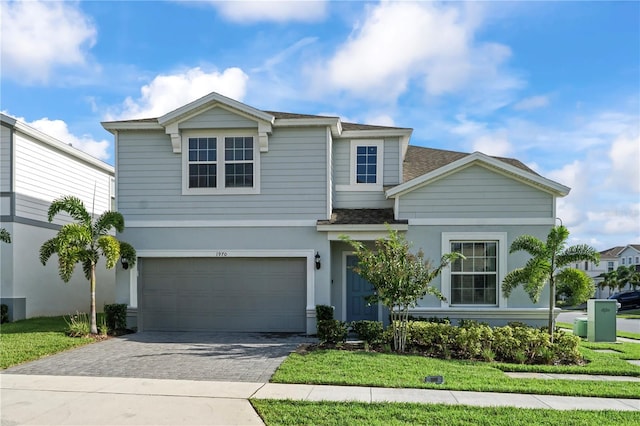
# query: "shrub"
102,324
78,325
369,331
332,331
116,316
4,313
324,312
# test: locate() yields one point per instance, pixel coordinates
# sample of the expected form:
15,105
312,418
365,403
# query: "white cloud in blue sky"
554,84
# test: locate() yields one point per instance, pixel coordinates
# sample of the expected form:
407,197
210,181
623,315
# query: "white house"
610,260
35,169
236,215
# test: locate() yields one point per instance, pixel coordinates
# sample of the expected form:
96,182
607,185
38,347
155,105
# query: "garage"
222,294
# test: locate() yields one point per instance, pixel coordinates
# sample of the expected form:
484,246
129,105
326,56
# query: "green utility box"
580,327
601,320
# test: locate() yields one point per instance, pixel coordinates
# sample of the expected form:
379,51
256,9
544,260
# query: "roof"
612,252
361,217
420,160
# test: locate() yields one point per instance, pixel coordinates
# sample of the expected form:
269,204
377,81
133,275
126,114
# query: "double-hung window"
476,279
220,163
366,163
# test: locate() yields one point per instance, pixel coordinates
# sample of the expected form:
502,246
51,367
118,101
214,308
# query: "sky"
553,84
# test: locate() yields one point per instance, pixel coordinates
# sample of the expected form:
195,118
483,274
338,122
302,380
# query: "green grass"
630,314
275,412
408,371
34,338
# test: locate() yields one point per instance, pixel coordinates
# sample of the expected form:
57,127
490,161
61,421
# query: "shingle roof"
361,217
612,252
420,160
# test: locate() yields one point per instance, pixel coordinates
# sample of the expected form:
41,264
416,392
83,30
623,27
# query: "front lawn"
34,338
275,412
361,368
619,333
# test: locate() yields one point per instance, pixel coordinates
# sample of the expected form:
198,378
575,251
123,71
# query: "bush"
324,312
78,325
368,331
4,313
332,331
116,316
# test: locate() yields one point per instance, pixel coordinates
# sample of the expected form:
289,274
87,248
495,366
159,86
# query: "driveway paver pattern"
238,357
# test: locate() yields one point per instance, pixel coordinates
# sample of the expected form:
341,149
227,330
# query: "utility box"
601,320
580,327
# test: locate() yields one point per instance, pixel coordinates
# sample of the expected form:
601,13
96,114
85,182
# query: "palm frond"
128,253
71,205
5,236
557,239
528,243
110,248
48,249
577,253
108,220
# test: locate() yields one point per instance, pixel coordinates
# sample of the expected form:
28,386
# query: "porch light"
317,260
125,263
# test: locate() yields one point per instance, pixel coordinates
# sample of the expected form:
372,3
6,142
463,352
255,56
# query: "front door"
357,289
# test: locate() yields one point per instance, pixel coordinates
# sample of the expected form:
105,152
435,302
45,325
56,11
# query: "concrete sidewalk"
73,400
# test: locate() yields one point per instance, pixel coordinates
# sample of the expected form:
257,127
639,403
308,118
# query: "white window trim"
353,185
500,237
220,135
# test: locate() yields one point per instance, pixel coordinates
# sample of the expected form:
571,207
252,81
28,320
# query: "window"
629,260
476,279
623,260
220,163
609,266
366,164
586,265
637,260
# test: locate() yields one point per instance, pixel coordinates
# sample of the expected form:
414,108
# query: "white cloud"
533,102
58,129
269,10
168,92
399,43
496,143
381,119
39,36
625,164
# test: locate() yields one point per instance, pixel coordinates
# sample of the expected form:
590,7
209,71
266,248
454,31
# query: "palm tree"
5,237
549,263
84,241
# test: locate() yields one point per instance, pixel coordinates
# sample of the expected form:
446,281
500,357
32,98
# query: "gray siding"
361,200
5,159
218,118
292,184
391,174
476,192
342,161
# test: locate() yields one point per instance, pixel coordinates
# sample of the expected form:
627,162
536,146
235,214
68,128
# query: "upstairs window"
623,260
609,266
366,164
220,164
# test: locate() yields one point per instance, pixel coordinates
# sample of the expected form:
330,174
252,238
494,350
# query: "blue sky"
554,84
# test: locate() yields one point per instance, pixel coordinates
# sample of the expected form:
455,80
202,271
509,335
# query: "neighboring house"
35,169
610,259
236,215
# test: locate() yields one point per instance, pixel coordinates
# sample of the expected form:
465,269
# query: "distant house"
236,214
610,259
34,170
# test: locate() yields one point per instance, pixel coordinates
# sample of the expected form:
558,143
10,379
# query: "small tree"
400,278
620,277
85,241
5,237
549,263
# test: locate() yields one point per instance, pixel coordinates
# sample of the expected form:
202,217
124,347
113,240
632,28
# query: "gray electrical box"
601,320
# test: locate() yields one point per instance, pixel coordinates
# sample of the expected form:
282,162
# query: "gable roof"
612,252
429,165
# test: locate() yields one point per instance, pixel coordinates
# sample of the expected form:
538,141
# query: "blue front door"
357,289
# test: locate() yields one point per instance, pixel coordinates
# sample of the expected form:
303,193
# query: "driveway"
238,357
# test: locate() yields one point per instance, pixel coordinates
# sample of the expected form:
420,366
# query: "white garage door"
222,294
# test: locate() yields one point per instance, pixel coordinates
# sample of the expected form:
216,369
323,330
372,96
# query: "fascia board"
114,126
62,146
402,133
362,227
482,159
333,123
204,103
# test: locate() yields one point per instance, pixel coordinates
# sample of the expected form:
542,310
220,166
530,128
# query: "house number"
222,254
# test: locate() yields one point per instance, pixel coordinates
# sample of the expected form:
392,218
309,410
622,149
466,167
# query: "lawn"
275,412
34,338
408,371
619,333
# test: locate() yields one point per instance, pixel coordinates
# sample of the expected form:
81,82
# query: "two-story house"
35,169
236,214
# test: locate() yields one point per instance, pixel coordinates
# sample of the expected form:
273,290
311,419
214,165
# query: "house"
236,214
35,169
610,260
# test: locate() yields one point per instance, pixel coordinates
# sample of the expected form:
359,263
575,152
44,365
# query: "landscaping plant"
400,278
85,241
550,263
5,237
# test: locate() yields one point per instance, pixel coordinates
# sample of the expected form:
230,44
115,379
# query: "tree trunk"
552,305
93,319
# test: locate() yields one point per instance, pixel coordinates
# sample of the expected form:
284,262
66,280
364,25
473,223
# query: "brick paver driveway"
245,357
